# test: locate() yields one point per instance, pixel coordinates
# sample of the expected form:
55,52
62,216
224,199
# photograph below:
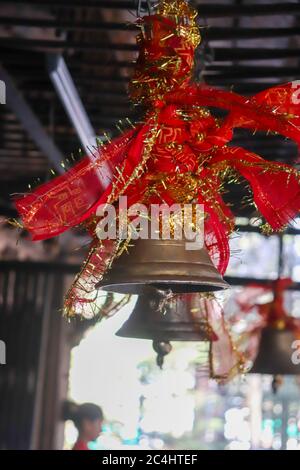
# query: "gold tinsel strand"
185,17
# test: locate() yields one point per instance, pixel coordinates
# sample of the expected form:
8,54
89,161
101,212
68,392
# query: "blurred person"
88,419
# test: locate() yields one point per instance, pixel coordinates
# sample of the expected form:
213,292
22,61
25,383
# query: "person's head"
88,419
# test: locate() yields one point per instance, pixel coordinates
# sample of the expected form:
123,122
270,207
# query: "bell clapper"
162,348
276,383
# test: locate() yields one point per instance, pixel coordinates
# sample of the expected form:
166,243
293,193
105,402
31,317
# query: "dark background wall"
33,383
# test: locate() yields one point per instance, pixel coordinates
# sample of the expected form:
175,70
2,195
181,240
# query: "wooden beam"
210,10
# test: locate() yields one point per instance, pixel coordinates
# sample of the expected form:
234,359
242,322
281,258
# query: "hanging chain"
204,55
141,8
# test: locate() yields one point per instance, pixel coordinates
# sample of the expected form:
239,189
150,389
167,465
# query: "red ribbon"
200,148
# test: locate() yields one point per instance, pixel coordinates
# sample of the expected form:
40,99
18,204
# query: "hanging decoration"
267,340
180,153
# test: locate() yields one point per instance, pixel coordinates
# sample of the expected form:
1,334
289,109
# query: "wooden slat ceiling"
246,45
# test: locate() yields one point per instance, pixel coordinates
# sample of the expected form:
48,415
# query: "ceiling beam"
211,33
210,71
210,10
220,53
25,43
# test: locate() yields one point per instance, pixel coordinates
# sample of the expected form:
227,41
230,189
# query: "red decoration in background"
259,315
272,313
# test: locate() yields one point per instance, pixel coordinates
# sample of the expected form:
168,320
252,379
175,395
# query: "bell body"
275,353
163,264
180,320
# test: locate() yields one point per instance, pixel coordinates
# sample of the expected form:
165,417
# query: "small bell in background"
275,355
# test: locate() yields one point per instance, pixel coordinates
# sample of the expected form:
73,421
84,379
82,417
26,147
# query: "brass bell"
162,319
275,353
163,264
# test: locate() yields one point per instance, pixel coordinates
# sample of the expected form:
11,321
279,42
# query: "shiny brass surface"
164,264
177,319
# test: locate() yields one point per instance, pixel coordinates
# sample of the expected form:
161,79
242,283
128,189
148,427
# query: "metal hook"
141,9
